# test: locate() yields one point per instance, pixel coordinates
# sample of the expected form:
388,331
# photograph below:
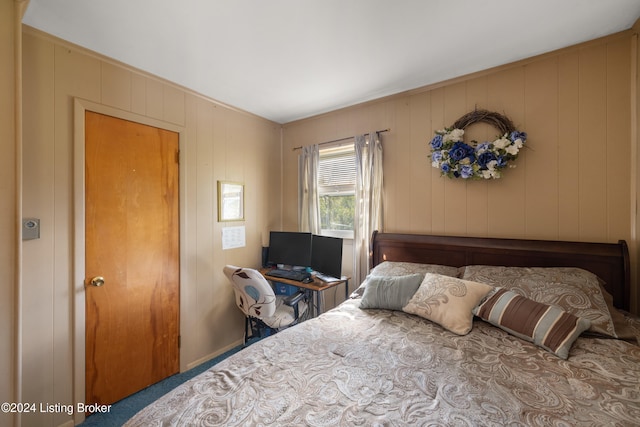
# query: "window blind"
337,170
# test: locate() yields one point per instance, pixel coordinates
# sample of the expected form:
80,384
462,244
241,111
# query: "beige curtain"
368,199
308,199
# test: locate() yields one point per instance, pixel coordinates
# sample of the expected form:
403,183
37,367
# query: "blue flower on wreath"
436,156
460,151
466,171
515,135
481,148
485,158
436,142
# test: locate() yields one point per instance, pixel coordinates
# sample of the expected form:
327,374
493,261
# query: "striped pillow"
547,326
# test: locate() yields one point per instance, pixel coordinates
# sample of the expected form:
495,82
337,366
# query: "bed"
395,353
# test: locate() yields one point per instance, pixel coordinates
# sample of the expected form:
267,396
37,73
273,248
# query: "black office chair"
266,313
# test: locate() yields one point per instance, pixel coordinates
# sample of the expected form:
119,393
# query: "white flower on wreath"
491,171
501,143
455,135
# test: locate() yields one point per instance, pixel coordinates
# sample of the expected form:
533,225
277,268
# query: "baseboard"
213,355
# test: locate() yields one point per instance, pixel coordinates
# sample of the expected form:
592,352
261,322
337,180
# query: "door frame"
80,106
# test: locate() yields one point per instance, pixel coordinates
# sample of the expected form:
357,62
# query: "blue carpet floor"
126,408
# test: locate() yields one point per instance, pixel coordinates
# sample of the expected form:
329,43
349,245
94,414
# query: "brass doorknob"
97,281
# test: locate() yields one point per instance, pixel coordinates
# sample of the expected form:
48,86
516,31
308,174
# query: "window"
336,190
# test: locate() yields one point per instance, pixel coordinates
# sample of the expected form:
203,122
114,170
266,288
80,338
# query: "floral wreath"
456,159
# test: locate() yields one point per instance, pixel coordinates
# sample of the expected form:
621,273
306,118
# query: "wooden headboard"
609,261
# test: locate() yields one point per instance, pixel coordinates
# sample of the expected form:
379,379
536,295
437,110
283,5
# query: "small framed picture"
230,201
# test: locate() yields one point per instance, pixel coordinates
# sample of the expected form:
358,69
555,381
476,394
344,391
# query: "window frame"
339,151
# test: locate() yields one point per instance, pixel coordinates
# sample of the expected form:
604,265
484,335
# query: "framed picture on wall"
230,201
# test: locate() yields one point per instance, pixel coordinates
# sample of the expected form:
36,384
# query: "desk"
317,287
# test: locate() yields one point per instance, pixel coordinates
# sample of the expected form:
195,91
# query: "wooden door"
132,242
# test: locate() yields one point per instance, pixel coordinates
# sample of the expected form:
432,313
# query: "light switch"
30,228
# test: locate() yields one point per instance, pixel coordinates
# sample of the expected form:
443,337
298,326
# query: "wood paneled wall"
9,199
572,182
217,143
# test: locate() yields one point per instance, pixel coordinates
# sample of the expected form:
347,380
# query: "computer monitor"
326,255
290,248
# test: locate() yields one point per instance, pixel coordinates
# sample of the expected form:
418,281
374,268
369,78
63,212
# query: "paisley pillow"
574,290
401,268
447,301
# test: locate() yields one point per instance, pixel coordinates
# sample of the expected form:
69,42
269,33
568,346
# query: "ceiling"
289,59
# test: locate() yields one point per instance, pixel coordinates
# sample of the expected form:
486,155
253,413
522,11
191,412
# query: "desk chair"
264,311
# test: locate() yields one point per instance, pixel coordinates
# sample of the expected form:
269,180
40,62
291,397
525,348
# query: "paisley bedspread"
359,367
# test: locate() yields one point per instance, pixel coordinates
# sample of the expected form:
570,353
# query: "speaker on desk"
265,257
